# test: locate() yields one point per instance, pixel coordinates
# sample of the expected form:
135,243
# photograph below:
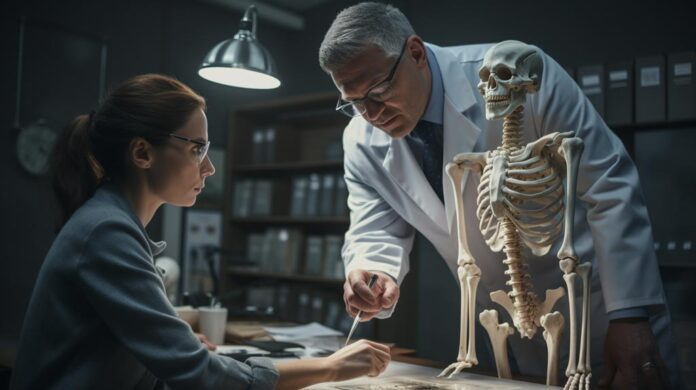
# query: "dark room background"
61,80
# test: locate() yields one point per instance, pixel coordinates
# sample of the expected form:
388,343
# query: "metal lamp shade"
240,62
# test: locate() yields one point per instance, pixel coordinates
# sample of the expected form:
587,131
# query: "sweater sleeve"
119,279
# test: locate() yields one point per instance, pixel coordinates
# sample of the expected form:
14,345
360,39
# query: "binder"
333,264
269,145
317,307
283,302
268,252
333,312
313,255
328,184
314,187
258,149
288,251
255,243
681,86
619,96
303,307
242,198
591,82
650,89
298,202
263,197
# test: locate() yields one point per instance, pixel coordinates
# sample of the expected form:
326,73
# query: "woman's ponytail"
93,148
75,172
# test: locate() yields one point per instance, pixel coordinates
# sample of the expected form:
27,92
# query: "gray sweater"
99,316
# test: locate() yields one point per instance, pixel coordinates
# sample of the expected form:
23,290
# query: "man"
414,107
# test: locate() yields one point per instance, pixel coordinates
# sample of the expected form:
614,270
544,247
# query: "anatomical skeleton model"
521,201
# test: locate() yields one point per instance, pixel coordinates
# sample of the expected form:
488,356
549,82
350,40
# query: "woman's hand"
357,359
204,340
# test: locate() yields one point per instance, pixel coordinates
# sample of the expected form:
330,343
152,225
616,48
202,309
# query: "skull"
510,70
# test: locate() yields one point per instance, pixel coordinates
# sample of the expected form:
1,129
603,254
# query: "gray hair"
358,27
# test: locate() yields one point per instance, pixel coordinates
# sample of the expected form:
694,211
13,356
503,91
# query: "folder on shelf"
316,314
263,197
333,264
619,96
313,255
650,89
270,144
290,244
258,149
341,206
269,252
243,192
681,86
255,243
283,301
591,82
328,185
303,307
313,192
334,309
298,202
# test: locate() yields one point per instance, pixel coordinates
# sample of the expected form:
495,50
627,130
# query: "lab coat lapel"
401,164
460,133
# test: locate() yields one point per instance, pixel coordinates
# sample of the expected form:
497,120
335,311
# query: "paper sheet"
293,333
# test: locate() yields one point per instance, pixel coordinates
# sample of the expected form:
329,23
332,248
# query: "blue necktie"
426,142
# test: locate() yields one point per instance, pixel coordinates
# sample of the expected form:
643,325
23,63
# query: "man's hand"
631,357
357,296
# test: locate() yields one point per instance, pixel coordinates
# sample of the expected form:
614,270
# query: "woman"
99,316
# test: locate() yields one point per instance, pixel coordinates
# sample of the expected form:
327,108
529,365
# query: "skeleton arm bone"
455,171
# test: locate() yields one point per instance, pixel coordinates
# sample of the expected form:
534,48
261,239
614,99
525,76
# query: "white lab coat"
389,196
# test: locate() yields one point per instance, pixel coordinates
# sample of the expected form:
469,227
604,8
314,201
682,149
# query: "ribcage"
528,192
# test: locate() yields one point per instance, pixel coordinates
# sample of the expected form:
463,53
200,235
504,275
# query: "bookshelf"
285,211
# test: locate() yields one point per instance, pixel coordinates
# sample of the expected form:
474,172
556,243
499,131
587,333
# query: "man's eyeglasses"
377,93
200,152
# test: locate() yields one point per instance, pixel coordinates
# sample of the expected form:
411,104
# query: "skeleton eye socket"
484,74
503,73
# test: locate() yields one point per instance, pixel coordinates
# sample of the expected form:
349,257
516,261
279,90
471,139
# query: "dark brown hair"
92,148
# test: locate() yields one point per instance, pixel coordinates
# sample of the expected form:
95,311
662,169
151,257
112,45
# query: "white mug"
212,322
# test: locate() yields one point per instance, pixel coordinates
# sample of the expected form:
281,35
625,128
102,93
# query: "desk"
405,364
407,371
410,376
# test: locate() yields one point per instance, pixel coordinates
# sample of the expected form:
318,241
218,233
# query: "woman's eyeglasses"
200,152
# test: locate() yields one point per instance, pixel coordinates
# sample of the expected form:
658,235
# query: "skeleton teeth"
497,99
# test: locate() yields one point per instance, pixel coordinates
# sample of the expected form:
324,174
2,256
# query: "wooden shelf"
288,168
245,272
298,221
